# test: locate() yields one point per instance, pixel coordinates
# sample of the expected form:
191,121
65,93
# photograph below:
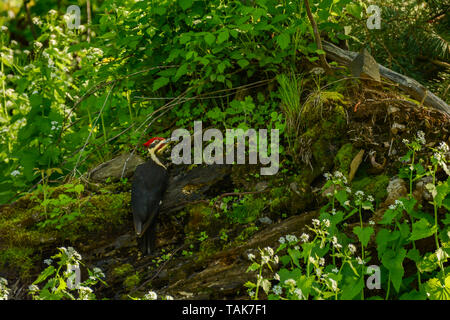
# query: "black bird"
149,184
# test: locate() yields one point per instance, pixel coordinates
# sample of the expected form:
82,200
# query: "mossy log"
410,86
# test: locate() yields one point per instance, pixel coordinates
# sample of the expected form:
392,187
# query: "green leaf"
354,9
45,274
223,36
185,4
160,82
436,290
351,289
295,255
182,70
413,295
210,38
243,63
422,229
389,215
363,234
414,255
393,261
283,40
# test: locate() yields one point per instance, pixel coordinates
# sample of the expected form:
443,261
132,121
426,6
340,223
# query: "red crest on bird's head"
149,142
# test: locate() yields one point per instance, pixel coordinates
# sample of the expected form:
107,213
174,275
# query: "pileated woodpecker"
149,184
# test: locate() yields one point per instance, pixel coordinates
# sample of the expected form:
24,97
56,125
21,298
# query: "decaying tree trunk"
410,86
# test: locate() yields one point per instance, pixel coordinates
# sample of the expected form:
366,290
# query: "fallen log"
410,86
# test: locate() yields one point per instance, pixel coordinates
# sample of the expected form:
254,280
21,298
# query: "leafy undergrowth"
369,242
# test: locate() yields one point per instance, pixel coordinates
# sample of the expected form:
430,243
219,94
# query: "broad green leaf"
160,82
363,234
393,261
352,289
243,63
422,229
223,36
389,215
436,290
295,255
45,274
185,4
210,38
283,40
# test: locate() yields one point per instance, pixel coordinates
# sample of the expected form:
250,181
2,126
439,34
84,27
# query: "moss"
246,233
373,185
20,260
344,158
200,217
207,249
122,271
132,281
99,215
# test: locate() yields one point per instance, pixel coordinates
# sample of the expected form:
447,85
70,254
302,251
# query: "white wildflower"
291,238
269,251
33,288
333,284
276,277
281,240
48,261
276,259
317,71
15,173
316,223
151,295
4,28
277,290
290,282
298,292
326,223
351,248
84,293
304,237
38,44
4,291
443,147
421,137
335,270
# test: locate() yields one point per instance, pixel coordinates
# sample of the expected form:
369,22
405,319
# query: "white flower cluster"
84,293
337,177
317,71
72,255
15,173
4,291
36,21
441,156
291,238
335,242
151,295
397,204
421,137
